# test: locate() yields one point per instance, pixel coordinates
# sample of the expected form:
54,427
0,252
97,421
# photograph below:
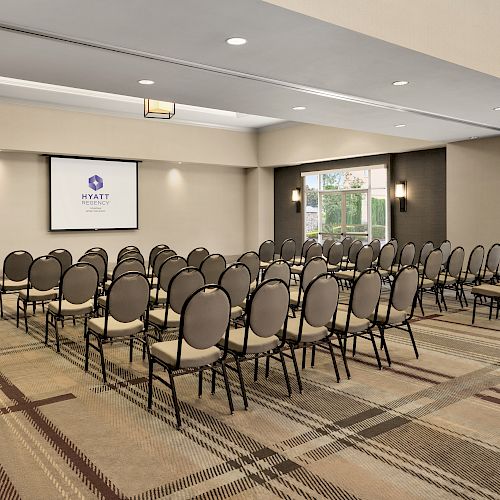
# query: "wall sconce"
158,109
296,198
401,194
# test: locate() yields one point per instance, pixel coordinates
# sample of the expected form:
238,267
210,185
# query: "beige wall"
472,186
464,32
302,143
49,130
181,205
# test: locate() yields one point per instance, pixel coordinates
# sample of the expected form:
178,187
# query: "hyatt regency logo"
96,182
96,200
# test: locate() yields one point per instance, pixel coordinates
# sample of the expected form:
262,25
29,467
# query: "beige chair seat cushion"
486,290
109,275
383,273
157,317
350,265
426,283
255,344
448,281
264,265
69,309
355,324
236,312
190,357
346,275
396,317
162,296
116,328
294,296
296,269
332,269
102,301
486,276
107,284
9,285
309,333
38,295
394,269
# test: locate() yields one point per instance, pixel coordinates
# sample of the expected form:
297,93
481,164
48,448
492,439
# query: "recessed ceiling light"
179,163
236,40
473,137
400,125
496,109
299,108
146,82
400,83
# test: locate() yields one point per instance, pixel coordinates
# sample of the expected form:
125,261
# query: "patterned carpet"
426,428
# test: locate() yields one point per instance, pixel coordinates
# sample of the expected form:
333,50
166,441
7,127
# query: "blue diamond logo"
95,182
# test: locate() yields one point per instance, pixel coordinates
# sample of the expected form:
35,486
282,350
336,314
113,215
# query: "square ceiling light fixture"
158,109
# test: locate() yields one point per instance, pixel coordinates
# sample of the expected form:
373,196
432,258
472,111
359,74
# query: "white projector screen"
92,194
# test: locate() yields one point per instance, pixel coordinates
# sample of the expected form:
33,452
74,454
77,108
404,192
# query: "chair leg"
47,328
26,317
228,387
463,294
491,308
1,305
57,337
150,384
304,349
375,348
334,361
313,355
256,369
17,312
242,382
412,339
87,347
382,336
174,397
268,362
296,367
420,301
354,342
285,373
348,373
103,364
131,349
474,308
444,301
459,295
213,381
438,302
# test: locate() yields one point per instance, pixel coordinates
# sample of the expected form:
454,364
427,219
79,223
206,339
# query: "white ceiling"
342,77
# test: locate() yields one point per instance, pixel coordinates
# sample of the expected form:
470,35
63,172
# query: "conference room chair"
266,253
184,283
449,279
168,269
212,267
64,257
352,253
131,254
429,277
153,253
314,267
489,292
127,304
490,270
97,260
364,260
471,277
267,315
385,264
354,322
445,248
376,246
346,244
426,249
236,281
398,312
311,330
196,256
252,261
394,242
158,261
301,259
101,251
287,250
327,244
15,273
128,248
334,257
77,292
406,257
44,275
279,269
204,323
313,250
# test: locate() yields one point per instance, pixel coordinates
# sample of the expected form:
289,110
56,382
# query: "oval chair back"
16,266
79,283
212,267
313,268
355,247
196,256
305,247
335,254
101,252
160,258
279,269
493,258
64,257
394,242
407,255
364,258
404,290
153,253
183,284
314,250
44,273
432,265
128,248
426,249
386,257
97,260
327,244
346,244
169,269
365,294
236,281
320,302
475,262
251,260
268,309
455,262
131,254
266,251
204,318
445,248
375,244
287,251
128,298
128,265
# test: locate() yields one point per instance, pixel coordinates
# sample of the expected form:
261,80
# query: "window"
347,202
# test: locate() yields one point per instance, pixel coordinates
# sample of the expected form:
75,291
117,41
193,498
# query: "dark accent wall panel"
425,174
